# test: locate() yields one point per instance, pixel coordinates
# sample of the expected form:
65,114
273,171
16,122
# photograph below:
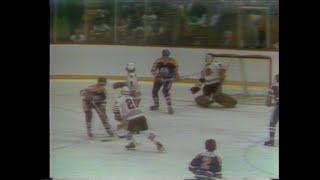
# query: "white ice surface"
239,132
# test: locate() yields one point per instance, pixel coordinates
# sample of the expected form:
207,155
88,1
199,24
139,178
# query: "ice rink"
239,132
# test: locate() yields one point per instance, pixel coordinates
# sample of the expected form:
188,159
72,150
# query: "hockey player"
132,119
207,165
94,97
212,76
131,83
273,94
164,70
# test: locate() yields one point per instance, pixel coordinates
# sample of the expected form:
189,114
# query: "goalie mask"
131,67
209,58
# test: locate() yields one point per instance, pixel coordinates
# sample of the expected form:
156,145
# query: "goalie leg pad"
225,100
203,101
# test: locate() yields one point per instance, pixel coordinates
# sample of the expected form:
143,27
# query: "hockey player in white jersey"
131,83
132,119
211,78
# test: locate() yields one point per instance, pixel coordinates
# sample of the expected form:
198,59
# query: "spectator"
250,33
228,39
261,28
78,37
149,20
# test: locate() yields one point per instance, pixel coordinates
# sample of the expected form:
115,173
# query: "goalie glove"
195,89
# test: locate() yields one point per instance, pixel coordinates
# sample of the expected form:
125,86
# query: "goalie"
131,83
211,78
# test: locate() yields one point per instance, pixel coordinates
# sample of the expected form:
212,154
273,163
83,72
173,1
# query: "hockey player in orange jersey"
94,97
164,70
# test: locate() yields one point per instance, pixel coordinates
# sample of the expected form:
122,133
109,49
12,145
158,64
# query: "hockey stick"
188,76
100,113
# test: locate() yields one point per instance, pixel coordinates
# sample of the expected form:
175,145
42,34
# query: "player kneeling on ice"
94,97
212,77
132,119
207,165
131,83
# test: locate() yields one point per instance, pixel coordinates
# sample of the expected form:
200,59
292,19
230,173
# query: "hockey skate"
131,146
269,143
90,136
204,178
160,147
170,110
154,107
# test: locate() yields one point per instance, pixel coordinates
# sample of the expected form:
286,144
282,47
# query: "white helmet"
125,90
209,58
131,67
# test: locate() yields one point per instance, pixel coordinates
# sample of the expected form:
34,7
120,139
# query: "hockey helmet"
209,58
210,145
102,81
166,53
131,67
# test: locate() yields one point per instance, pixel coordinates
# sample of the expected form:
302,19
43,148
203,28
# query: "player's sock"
169,105
272,131
152,137
270,142
89,124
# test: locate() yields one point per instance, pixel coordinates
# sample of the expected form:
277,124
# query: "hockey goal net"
248,77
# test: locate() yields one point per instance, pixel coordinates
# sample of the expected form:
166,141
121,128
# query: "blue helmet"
165,52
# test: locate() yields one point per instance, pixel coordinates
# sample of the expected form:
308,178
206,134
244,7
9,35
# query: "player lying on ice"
211,78
207,165
133,120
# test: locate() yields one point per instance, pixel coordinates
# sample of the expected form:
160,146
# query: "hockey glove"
195,89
